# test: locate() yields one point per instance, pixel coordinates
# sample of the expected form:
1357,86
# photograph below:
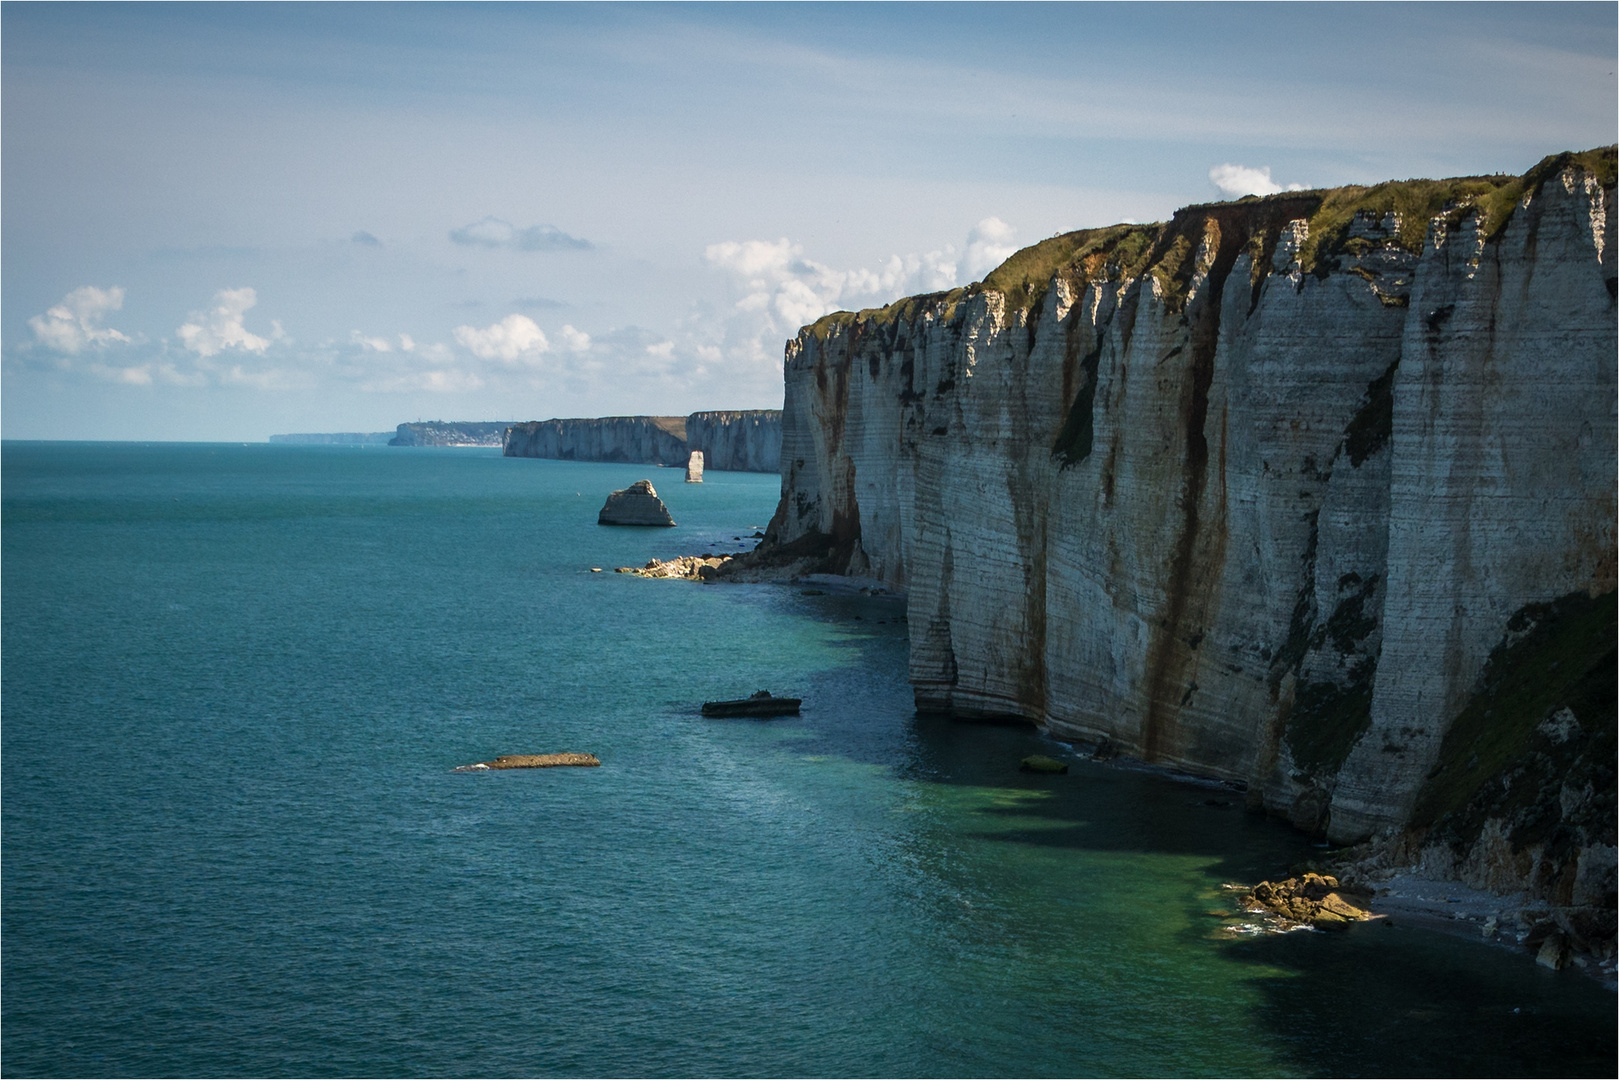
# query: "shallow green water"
237,677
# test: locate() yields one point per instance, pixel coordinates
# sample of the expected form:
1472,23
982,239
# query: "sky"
219,222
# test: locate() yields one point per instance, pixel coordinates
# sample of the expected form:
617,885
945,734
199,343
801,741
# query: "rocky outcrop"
450,433
637,504
694,468
1275,492
685,567
741,441
1311,900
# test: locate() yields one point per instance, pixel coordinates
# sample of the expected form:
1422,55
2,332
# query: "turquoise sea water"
236,680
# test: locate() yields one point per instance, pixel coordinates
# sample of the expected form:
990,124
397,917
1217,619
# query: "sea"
237,682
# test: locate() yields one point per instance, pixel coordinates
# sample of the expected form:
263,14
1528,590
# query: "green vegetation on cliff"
1543,720
1169,250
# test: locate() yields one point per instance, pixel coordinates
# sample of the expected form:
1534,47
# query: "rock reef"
532,761
637,504
1312,493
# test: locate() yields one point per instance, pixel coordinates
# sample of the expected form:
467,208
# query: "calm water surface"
237,678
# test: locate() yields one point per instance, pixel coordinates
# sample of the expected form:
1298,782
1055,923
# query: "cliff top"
1168,250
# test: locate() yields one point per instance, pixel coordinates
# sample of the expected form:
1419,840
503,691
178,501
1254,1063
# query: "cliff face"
747,440
741,441
649,440
1271,492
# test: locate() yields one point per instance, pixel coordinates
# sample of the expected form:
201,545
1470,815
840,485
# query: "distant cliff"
1313,491
739,441
648,440
450,433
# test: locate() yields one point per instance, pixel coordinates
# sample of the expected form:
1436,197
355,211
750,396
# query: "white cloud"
492,232
788,290
220,327
574,340
514,338
1235,181
989,243
372,344
782,290
75,324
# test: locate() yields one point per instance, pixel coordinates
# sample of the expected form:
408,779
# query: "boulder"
1041,764
637,504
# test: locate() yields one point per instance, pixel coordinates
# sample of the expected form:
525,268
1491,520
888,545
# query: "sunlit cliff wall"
1272,492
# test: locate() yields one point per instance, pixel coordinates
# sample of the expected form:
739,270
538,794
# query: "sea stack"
694,468
637,504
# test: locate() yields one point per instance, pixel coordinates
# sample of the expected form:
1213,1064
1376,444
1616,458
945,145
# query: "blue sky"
226,221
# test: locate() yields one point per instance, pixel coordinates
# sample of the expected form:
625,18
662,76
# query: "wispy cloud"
365,239
74,325
493,232
1235,181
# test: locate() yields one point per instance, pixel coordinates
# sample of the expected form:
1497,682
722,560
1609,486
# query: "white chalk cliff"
1274,492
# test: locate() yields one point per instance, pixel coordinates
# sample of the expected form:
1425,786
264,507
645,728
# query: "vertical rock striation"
641,440
1260,492
744,440
747,440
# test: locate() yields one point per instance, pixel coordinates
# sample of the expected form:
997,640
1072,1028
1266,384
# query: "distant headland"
734,440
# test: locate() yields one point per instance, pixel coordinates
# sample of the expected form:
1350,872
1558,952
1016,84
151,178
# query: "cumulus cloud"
211,332
1235,181
74,325
788,290
783,290
493,232
989,243
574,340
514,338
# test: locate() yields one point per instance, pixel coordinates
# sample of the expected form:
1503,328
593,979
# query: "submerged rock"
1313,900
1041,764
531,761
637,504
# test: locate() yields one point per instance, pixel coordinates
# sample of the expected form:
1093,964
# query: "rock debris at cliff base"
1274,492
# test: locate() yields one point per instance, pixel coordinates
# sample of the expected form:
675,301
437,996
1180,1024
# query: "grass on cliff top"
904,309
1164,248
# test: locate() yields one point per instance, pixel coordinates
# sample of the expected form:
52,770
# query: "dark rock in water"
1041,764
761,704
531,761
637,504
